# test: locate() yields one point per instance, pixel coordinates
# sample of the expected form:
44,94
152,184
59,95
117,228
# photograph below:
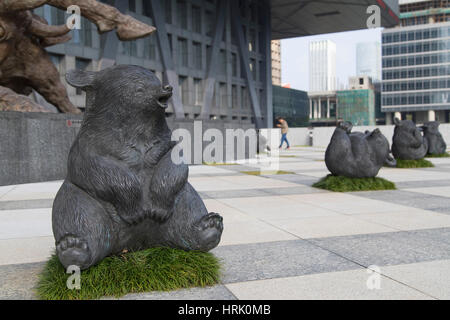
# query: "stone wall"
34,146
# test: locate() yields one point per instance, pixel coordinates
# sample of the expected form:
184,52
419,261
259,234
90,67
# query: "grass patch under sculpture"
443,155
156,269
345,184
408,164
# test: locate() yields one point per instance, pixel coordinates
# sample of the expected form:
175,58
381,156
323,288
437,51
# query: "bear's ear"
397,121
80,79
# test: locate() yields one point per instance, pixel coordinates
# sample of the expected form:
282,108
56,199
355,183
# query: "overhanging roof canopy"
297,18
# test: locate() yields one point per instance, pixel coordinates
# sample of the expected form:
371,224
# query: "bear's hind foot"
73,251
210,231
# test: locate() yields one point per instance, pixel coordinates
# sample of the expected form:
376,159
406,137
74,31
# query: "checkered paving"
283,239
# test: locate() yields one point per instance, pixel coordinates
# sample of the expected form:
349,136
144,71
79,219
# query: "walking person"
282,123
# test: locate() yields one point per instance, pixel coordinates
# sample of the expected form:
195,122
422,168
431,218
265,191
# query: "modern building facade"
276,62
368,60
215,53
322,66
361,103
291,105
416,63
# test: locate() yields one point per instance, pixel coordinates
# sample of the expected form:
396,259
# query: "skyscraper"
322,66
276,62
368,60
416,57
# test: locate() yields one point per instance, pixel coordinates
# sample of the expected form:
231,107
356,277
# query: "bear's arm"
109,180
167,181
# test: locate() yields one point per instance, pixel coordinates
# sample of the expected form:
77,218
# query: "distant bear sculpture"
357,154
122,190
436,143
408,142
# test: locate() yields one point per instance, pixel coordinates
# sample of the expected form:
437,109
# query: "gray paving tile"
276,260
296,178
212,293
26,204
17,281
228,194
422,184
293,191
411,199
393,248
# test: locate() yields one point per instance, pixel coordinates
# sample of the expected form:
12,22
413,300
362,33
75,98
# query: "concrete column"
310,108
316,110
319,110
388,118
328,108
431,115
398,115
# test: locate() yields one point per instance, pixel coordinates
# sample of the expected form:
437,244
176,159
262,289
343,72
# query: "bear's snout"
164,97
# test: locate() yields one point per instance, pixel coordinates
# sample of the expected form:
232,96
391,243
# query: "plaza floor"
283,239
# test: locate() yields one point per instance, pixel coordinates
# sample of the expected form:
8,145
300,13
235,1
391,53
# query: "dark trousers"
284,139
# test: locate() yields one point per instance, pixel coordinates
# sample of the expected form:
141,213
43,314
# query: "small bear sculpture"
122,190
356,154
408,142
436,143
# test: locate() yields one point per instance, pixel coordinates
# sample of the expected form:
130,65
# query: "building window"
223,95
167,5
223,62
184,89
234,65
198,92
149,48
183,52
196,19
197,46
234,97
182,14
209,23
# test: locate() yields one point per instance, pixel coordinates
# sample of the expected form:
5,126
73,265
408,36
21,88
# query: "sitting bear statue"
122,190
408,142
436,143
356,154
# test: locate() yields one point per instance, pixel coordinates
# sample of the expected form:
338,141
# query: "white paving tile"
276,208
432,278
411,219
346,285
252,232
33,191
346,203
435,191
26,250
333,226
25,223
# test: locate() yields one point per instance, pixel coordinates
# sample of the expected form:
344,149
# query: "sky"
295,56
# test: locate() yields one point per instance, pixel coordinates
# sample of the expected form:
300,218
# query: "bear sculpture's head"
123,89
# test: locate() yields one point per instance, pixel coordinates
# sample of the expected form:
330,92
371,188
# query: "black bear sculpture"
408,142
356,154
436,143
122,190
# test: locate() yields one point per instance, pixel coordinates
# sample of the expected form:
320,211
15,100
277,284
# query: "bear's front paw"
73,251
210,231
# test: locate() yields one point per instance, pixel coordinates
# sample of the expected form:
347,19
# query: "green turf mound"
345,184
156,269
408,164
443,155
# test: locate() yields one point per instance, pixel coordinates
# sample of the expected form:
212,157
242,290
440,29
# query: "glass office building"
416,73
